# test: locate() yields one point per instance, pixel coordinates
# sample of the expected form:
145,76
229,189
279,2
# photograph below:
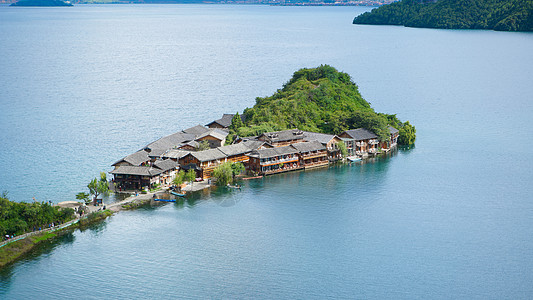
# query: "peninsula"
508,15
317,118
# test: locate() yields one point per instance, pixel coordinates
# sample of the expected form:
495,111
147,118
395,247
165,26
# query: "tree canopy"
20,217
503,15
318,99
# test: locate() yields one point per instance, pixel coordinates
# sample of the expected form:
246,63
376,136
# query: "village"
157,163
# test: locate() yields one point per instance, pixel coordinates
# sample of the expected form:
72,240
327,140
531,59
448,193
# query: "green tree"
99,187
342,147
407,134
203,145
223,174
190,176
83,197
236,122
180,177
237,168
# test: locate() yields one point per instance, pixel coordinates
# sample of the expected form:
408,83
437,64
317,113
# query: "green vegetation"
343,148
11,252
226,172
190,176
20,217
179,179
203,145
321,100
503,15
83,197
99,187
407,134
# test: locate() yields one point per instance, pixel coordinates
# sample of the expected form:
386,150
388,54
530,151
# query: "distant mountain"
41,3
503,15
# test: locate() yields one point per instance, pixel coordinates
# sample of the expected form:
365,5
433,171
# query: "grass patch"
45,236
11,252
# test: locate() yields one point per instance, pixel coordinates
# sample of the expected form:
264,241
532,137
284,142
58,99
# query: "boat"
353,158
165,200
177,194
248,178
234,186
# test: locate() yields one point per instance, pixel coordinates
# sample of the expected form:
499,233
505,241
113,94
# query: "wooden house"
196,130
236,152
274,160
136,159
204,162
394,134
189,146
366,142
174,154
215,138
312,154
329,141
140,177
282,138
222,123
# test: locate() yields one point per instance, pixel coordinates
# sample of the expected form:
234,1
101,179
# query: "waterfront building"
274,160
312,154
282,138
236,152
365,142
329,141
204,162
127,177
136,159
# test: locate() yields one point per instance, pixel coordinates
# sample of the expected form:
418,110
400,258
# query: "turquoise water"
450,218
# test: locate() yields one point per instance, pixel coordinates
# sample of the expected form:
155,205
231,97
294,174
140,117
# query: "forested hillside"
321,100
503,15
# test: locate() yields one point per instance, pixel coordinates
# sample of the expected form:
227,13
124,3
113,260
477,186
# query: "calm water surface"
452,218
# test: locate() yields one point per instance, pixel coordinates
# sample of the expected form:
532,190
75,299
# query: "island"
511,15
41,3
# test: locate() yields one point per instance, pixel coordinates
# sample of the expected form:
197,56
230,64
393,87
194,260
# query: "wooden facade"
274,160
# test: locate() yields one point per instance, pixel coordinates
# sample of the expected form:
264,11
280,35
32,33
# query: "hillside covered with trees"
319,99
502,15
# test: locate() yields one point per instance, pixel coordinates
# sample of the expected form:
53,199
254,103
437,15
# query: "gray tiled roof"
208,155
235,149
324,138
216,133
171,141
156,152
135,159
165,165
196,130
253,144
281,136
309,146
225,121
191,143
137,170
393,130
175,153
360,134
271,152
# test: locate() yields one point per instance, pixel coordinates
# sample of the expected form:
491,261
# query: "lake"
82,87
